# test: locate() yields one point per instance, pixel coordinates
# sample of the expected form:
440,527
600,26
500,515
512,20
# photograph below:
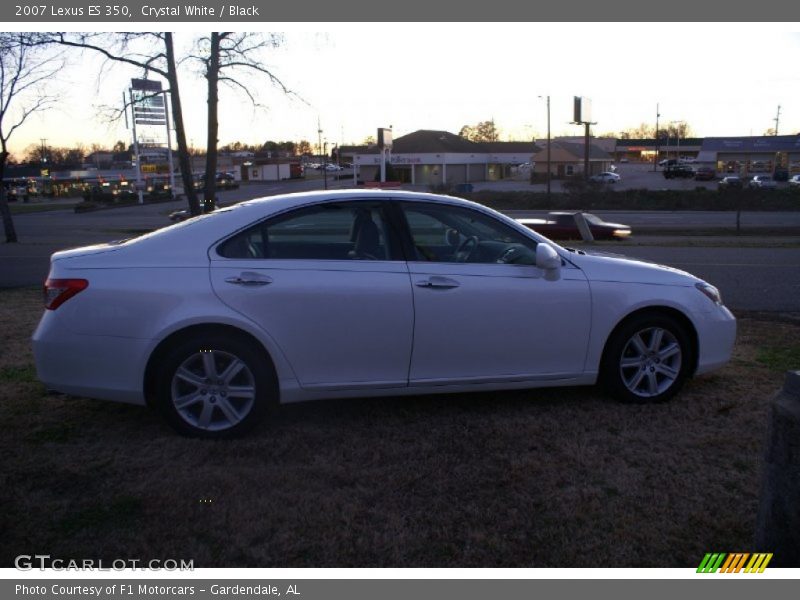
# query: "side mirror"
547,259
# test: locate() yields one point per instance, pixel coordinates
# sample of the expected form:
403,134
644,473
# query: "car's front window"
444,233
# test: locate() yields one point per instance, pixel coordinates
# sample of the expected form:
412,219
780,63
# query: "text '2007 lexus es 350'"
362,293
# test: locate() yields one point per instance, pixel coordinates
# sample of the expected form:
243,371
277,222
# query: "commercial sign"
148,102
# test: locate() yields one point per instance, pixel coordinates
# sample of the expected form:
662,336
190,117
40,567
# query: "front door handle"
437,281
249,279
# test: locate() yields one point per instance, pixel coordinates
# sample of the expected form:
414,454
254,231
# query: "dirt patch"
541,478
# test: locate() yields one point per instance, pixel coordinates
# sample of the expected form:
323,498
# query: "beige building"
567,159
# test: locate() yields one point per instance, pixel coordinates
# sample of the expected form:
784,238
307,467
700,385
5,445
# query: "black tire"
652,376
232,407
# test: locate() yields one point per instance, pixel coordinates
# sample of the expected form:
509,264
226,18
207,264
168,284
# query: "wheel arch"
180,335
659,310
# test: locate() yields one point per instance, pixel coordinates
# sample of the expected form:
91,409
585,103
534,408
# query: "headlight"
710,291
621,233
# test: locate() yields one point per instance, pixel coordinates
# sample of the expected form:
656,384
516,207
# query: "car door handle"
438,282
249,280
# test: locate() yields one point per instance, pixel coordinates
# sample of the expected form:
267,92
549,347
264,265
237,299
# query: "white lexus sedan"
606,177
362,293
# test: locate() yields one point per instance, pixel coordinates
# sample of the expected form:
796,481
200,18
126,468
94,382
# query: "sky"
722,79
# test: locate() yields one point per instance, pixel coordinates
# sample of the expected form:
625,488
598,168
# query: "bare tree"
485,131
226,58
24,70
157,56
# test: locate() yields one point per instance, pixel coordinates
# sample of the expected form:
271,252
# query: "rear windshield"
190,222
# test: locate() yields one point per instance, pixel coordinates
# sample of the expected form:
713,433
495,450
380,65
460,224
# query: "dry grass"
559,477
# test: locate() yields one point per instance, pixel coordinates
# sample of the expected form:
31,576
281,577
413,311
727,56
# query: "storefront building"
777,154
427,157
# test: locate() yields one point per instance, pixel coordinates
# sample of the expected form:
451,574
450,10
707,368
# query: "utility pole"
777,119
324,165
655,158
548,145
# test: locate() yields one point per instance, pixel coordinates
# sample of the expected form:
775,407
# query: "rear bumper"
93,366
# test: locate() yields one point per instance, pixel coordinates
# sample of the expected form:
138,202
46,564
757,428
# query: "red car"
705,174
562,226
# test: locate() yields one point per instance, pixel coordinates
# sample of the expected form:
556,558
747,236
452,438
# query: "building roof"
761,143
575,149
362,149
510,147
430,141
692,141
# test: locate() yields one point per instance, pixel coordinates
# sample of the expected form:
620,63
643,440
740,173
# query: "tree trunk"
212,74
180,131
8,223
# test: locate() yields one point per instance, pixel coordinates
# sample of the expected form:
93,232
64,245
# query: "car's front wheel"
215,386
647,359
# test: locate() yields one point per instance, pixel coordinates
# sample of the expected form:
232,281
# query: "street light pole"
655,158
548,147
325,162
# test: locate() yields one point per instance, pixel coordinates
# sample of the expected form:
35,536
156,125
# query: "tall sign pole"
385,147
139,191
582,115
169,149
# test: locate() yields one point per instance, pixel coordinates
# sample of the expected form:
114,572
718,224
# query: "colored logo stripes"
735,562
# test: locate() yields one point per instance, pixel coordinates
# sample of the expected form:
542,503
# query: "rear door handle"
437,281
249,279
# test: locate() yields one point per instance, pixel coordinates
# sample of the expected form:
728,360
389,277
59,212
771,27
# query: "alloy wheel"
213,390
650,362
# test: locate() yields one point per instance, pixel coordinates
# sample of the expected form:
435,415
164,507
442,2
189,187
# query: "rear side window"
335,231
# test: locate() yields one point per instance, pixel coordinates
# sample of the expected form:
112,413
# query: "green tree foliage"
485,131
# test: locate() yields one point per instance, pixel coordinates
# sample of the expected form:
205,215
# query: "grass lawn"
22,209
542,478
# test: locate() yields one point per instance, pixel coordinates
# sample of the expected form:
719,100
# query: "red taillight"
58,291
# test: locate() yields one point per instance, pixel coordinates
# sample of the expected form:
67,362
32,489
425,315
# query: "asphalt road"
750,278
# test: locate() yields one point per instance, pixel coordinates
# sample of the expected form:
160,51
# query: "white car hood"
604,266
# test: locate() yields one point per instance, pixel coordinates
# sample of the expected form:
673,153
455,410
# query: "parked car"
705,174
563,226
360,293
730,182
606,177
223,181
667,162
780,175
684,171
794,182
762,182
183,213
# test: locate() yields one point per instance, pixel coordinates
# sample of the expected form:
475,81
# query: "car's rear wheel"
647,359
215,386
